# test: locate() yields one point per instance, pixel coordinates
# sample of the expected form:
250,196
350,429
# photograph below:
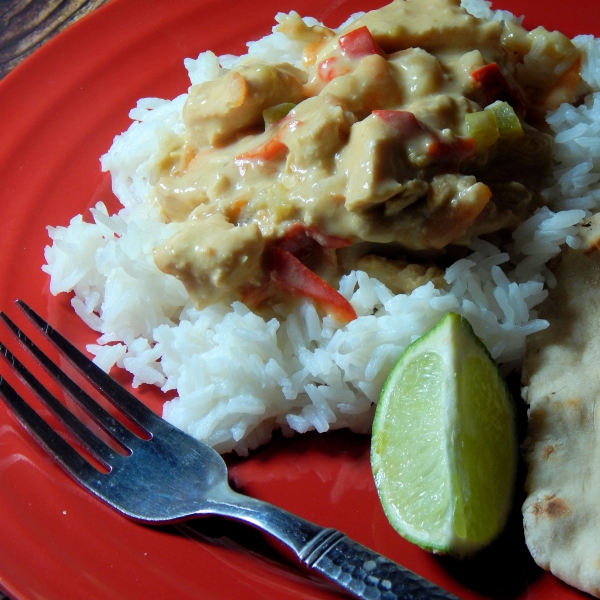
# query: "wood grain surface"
27,24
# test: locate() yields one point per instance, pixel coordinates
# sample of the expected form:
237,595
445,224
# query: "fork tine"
70,459
111,425
113,391
96,446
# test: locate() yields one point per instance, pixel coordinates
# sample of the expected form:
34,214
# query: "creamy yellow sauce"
375,153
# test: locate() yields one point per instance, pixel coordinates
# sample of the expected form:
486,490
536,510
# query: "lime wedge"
444,446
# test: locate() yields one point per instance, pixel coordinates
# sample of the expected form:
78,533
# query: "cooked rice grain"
238,376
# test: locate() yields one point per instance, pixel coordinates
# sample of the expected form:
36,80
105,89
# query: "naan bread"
561,375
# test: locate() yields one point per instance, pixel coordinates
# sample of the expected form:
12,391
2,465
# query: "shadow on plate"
504,571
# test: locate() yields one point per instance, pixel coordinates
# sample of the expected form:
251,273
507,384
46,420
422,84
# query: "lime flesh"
444,445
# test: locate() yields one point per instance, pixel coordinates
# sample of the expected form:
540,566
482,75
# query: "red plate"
60,110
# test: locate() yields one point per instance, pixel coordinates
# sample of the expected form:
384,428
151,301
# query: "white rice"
237,376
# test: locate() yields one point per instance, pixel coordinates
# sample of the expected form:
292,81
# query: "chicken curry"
397,141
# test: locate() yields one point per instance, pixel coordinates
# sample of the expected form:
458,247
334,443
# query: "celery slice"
483,128
508,122
276,113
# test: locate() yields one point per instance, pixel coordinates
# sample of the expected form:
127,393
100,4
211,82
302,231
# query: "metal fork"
171,476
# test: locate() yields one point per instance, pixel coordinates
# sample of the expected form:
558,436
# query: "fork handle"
360,570
366,573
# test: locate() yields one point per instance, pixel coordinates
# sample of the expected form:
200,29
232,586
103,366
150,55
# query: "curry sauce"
367,155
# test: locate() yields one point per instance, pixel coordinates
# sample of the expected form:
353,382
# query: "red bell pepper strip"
358,44
325,240
300,230
331,68
403,121
353,46
495,87
300,240
406,124
267,149
255,295
461,148
296,242
289,274
264,151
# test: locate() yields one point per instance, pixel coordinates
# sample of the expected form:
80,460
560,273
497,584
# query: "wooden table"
27,24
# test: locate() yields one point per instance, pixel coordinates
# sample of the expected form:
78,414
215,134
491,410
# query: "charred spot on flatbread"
550,507
547,451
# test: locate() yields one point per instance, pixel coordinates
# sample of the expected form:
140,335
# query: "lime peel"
444,446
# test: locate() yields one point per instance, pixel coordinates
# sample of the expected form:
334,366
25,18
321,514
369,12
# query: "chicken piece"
212,257
456,202
418,74
379,160
434,25
372,85
550,71
294,28
216,111
442,111
321,127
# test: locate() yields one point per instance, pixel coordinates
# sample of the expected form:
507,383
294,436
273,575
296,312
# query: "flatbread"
561,375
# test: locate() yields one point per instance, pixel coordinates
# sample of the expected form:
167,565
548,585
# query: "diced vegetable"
403,121
255,295
483,128
496,121
296,242
331,68
300,240
509,124
454,152
406,124
495,87
278,202
268,149
352,47
325,240
358,43
289,274
276,113
264,151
